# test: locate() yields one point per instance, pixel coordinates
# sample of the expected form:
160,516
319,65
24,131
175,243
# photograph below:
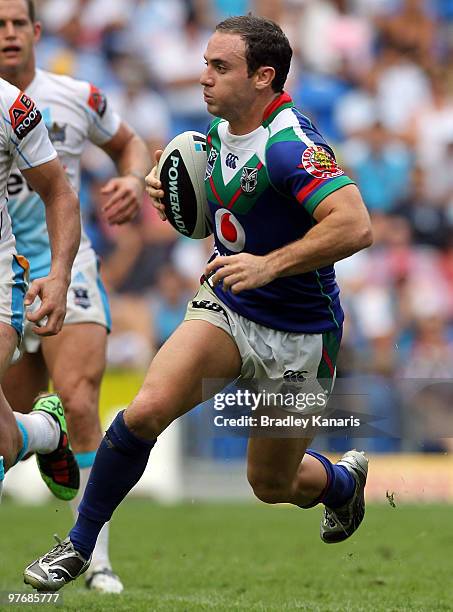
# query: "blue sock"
85,460
340,484
120,462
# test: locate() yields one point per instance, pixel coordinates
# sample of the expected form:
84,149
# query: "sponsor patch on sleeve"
319,163
24,115
97,101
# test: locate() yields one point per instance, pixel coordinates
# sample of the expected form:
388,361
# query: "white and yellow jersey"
74,112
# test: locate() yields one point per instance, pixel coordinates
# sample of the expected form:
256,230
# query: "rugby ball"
182,170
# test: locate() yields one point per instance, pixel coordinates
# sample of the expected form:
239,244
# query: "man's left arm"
343,227
133,162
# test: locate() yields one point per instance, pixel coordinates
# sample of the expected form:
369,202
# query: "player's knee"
147,417
270,490
79,395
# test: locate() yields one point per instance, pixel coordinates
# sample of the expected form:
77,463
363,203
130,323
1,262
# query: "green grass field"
249,557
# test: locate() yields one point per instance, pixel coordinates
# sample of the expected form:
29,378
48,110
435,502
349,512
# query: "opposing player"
284,212
24,141
75,112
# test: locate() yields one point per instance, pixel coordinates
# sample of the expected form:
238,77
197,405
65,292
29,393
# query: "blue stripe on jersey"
98,124
29,227
16,144
17,297
105,300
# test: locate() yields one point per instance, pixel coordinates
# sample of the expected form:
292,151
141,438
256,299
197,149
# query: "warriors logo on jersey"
249,180
229,231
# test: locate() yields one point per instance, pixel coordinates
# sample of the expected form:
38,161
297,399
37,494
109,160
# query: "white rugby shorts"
270,354
87,303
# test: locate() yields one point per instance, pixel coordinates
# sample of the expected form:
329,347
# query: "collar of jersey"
283,101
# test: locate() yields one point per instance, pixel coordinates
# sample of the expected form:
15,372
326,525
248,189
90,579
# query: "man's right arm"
63,222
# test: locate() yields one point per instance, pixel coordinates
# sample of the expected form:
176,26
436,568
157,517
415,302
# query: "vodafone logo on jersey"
229,231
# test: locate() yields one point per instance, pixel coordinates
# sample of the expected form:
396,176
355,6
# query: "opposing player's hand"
126,196
50,315
239,272
154,188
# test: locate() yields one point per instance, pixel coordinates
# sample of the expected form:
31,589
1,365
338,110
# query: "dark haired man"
284,212
75,112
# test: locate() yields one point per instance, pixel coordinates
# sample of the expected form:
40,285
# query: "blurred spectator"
168,303
381,164
332,40
176,60
83,23
431,133
428,218
401,87
140,105
410,29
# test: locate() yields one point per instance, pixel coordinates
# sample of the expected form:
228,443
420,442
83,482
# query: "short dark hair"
265,45
31,10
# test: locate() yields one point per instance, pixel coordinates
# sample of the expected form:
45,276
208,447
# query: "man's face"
17,35
227,88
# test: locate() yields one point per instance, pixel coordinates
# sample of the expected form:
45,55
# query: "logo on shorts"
207,305
319,163
249,180
81,297
213,155
295,376
229,231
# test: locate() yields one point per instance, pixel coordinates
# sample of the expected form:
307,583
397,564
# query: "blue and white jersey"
23,137
74,112
262,189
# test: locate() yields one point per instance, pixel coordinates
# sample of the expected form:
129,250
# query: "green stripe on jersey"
322,193
288,134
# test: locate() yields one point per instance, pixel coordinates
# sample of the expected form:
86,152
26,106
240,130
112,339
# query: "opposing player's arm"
131,157
63,223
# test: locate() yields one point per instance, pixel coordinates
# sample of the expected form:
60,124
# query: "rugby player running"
75,112
272,179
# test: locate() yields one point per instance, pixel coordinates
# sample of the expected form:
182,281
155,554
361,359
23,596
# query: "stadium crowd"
374,75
